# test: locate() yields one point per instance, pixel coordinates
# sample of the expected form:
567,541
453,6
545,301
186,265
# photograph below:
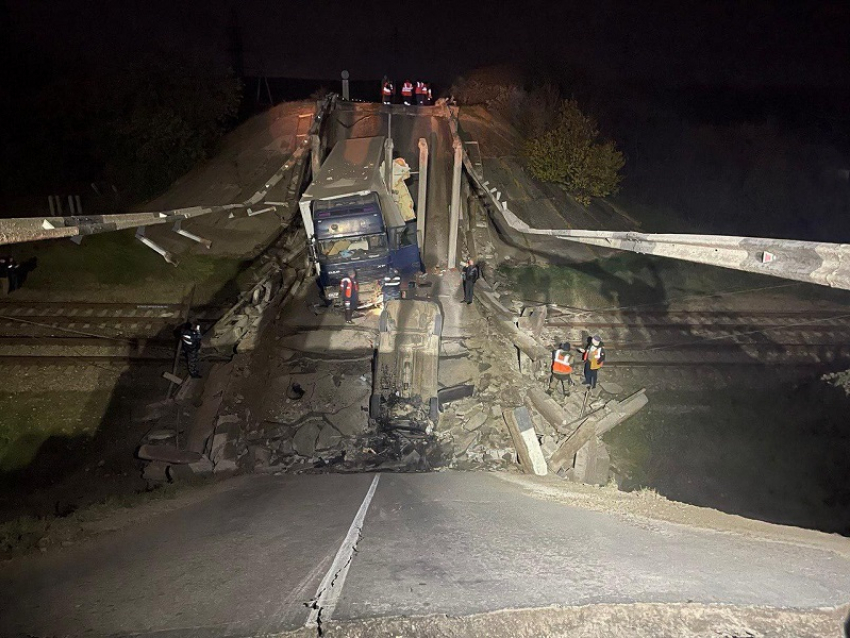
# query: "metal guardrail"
822,263
75,227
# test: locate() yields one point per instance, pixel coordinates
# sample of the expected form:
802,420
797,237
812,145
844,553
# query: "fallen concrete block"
592,464
596,424
549,409
455,393
525,440
225,465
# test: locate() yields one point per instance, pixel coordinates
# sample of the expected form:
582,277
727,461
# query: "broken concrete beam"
525,440
167,454
533,320
549,409
592,463
597,424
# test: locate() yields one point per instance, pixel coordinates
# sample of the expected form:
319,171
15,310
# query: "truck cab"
353,222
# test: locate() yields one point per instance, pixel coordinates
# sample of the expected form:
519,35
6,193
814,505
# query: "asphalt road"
247,561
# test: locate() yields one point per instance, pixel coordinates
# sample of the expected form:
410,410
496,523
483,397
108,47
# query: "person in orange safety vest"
562,368
407,92
594,357
348,291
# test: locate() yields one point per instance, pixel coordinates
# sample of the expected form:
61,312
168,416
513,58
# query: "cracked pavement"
248,560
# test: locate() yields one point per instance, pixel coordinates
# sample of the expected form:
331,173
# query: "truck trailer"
353,222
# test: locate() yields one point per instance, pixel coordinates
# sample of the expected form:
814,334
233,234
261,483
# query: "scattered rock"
476,420
611,388
463,442
260,456
225,465
204,466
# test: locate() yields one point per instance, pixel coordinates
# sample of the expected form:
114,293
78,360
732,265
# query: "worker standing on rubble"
471,273
594,357
190,341
421,93
387,91
348,291
407,92
562,368
429,98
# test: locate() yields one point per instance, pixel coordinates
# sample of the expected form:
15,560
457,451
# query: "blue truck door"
405,254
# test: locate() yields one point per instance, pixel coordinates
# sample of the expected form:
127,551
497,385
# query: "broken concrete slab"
225,466
452,348
475,419
458,371
324,341
525,441
350,421
202,466
329,438
304,441
592,463
463,442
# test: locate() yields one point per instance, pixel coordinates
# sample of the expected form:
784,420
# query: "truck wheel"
434,410
374,406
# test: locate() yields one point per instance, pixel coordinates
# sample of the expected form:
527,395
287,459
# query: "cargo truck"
353,221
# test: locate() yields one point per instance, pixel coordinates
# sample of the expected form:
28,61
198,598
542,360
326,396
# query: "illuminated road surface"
247,560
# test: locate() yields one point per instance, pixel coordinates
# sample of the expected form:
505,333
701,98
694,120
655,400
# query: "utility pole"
421,204
315,154
454,211
345,93
388,163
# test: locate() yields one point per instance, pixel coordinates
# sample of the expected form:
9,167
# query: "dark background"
733,115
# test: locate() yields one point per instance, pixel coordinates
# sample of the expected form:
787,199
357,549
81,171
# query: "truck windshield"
353,247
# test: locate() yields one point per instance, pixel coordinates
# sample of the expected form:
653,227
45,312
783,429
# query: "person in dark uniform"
14,273
471,273
190,340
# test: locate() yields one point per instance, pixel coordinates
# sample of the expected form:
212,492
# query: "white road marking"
330,588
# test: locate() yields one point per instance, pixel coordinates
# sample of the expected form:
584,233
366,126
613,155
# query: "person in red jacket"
387,91
348,291
421,93
407,92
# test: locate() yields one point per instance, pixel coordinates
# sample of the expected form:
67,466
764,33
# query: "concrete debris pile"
279,274
566,431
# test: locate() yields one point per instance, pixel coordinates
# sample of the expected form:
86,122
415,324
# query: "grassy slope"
116,267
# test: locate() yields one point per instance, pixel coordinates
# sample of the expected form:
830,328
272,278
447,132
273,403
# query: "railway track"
650,329
66,332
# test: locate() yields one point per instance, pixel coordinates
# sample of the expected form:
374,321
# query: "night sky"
744,44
